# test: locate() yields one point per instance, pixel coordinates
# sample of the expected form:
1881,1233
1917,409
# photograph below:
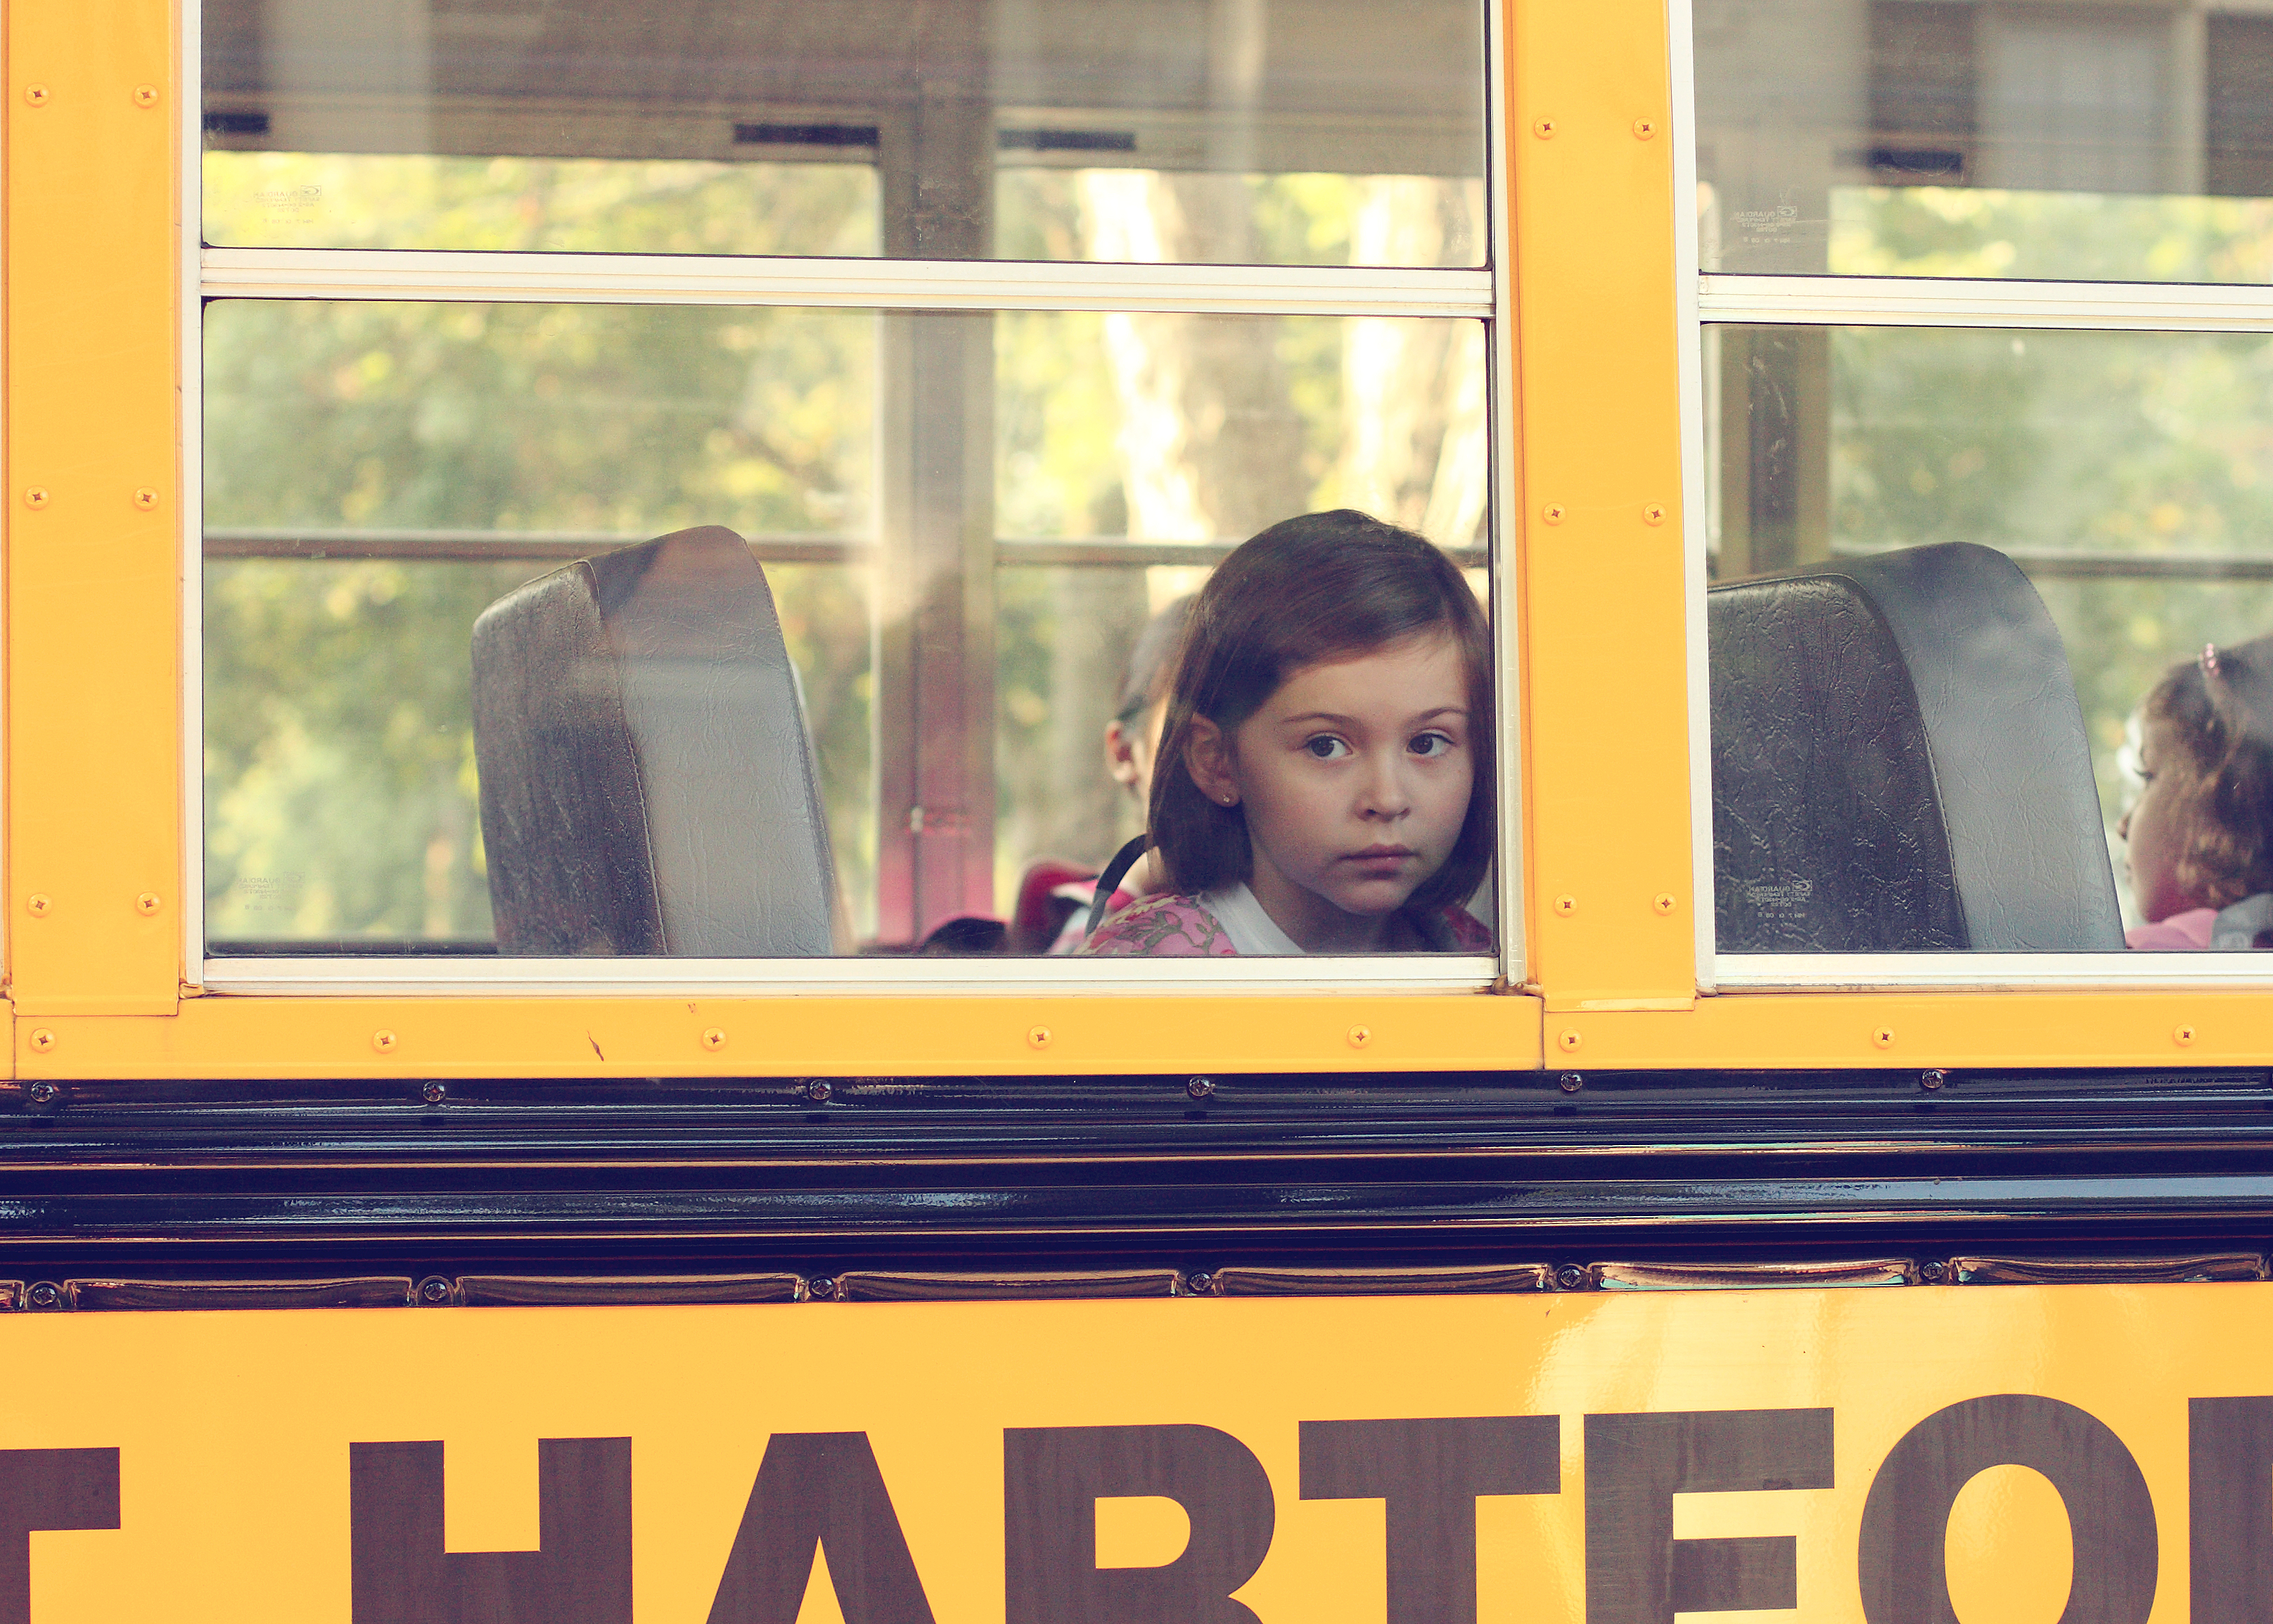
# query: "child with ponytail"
2199,834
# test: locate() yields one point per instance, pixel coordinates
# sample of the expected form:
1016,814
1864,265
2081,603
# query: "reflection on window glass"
2072,139
1272,132
2122,483
971,531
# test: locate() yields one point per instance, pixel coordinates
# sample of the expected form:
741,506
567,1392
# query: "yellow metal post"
1600,443
94,646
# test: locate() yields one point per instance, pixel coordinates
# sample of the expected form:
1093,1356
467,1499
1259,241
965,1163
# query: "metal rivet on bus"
714,1038
1201,1284
1933,1272
1038,1037
36,497
145,499
1543,128
1932,1079
1199,1087
146,95
1884,1037
40,905
45,1295
823,1288
2183,1036
1568,1040
818,1091
1360,1037
1654,514
383,1041
1570,1082
1553,513
36,94
148,902
1572,1277
1566,904
435,1093
44,1094
1663,902
1644,128
42,1040
435,1291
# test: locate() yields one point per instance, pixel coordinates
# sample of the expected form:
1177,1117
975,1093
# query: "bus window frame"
1482,293
1598,596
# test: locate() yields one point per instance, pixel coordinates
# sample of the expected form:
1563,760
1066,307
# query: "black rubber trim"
160,1180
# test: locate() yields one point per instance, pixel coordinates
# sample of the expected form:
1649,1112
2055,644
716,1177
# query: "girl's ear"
1207,755
1121,753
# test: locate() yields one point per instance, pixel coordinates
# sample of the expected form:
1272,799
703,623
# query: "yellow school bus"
592,589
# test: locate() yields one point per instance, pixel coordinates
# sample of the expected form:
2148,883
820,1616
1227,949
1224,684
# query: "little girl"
2200,833
1326,770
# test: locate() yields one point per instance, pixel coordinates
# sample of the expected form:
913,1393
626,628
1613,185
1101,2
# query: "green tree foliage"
2072,236
286,200
338,740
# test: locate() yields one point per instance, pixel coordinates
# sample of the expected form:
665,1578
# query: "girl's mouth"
1380,853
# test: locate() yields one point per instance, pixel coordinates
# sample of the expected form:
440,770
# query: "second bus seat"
647,778
1900,764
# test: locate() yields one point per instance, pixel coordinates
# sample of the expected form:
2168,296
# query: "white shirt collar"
1252,931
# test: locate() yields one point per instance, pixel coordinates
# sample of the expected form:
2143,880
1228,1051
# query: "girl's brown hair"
1327,586
2217,713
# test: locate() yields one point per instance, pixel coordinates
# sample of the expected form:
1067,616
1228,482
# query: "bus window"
2006,542
2006,514
1320,132
952,501
963,524
1998,138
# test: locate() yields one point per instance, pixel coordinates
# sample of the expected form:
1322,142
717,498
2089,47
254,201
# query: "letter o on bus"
2111,1516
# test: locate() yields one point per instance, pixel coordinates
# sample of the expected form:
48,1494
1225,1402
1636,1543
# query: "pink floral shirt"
2248,923
1178,925
2189,930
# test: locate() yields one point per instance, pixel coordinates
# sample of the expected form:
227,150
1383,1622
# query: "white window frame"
1734,298
877,284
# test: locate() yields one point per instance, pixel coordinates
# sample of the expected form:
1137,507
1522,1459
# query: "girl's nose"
1385,795
2123,827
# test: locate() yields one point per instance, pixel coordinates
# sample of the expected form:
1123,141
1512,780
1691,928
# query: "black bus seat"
647,777
1900,764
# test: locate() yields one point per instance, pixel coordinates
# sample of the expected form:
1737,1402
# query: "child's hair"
1326,586
1152,662
2219,714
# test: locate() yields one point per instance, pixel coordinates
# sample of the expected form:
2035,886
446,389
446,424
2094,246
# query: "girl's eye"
1325,747
1430,744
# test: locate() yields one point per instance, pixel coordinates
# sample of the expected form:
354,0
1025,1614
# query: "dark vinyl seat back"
1900,764
647,777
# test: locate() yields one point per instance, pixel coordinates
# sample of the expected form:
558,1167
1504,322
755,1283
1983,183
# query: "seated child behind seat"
1325,772
2200,836
1132,748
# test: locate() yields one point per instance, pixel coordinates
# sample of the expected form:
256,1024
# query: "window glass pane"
2067,139
965,523
1271,131
1914,511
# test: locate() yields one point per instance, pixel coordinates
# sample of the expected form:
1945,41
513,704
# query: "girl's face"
1355,776
2154,832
